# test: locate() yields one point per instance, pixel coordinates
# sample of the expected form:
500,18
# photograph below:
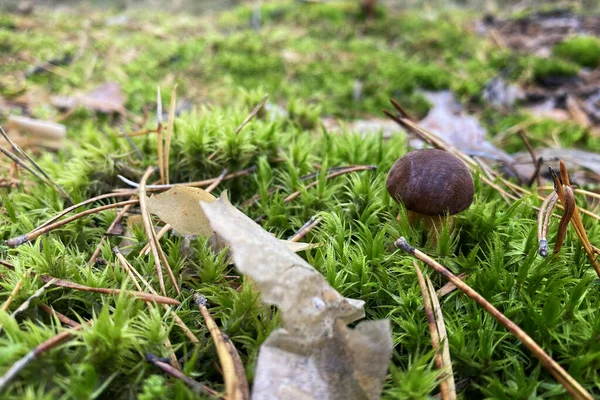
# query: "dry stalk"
117,220
150,230
140,295
449,287
176,373
19,240
562,376
170,131
34,354
13,294
433,331
236,386
307,227
61,317
83,203
159,137
135,274
202,183
441,327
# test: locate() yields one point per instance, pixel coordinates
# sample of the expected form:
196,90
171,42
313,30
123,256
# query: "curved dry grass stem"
569,209
19,240
34,354
140,295
61,317
150,230
176,373
443,334
170,131
543,220
435,339
562,376
576,218
83,203
12,294
307,227
236,385
202,183
112,226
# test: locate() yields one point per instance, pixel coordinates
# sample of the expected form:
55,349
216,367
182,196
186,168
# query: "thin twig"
176,318
545,213
85,202
25,305
236,386
117,220
150,230
34,354
202,183
159,137
449,287
35,165
140,295
245,121
61,317
13,294
433,331
441,327
19,240
535,160
568,382
175,373
255,111
22,163
170,131
307,227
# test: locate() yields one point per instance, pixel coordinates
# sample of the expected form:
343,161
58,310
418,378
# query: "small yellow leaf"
180,208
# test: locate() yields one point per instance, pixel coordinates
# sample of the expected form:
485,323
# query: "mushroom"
431,184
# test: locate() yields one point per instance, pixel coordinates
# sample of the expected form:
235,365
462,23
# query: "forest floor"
511,94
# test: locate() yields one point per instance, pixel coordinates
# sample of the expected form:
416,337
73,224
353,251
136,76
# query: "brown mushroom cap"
431,182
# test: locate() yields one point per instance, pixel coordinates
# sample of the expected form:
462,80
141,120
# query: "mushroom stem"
433,224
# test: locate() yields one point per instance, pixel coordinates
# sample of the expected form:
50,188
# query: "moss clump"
582,50
547,69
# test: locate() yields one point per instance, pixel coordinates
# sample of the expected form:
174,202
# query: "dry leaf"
179,208
315,355
38,128
448,121
106,98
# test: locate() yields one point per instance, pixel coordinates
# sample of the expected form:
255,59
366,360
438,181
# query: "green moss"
548,68
582,50
312,59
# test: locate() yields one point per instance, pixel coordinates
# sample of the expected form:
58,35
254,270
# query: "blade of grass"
170,130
